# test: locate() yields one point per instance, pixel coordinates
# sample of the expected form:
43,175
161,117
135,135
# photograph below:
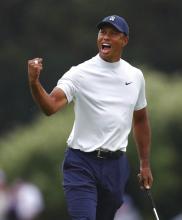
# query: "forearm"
49,103
42,98
142,136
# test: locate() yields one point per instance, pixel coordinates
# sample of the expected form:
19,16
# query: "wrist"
144,163
33,82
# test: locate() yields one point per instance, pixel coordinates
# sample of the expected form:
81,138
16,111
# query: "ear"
125,40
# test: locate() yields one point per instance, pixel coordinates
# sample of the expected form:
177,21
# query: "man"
109,95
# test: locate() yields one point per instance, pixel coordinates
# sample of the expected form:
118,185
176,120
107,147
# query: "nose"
106,36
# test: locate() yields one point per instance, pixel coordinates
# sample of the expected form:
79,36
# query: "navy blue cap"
118,22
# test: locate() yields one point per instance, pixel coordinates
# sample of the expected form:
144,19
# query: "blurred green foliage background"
64,33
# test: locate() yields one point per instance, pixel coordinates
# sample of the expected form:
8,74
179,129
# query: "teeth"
106,45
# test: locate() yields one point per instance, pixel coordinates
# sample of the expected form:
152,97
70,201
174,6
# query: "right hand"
34,69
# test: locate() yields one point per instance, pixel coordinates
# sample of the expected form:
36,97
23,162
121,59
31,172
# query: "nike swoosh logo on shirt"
128,83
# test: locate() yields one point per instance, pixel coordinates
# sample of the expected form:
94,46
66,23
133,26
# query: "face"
110,43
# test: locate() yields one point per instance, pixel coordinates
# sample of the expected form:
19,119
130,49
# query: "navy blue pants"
93,187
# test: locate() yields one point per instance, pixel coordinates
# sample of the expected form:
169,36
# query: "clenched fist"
34,69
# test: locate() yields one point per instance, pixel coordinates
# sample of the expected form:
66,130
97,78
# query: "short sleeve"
141,101
68,84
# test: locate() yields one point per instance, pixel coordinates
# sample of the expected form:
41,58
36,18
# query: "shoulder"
86,64
82,66
78,72
132,70
133,74
127,66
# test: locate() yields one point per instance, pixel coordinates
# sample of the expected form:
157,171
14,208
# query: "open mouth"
105,47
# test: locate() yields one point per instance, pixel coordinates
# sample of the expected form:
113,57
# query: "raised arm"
142,136
49,103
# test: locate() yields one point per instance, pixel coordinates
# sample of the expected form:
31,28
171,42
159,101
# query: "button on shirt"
105,96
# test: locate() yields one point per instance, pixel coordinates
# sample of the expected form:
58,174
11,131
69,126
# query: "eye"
102,31
114,33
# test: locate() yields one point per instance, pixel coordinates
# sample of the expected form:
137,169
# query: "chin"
106,57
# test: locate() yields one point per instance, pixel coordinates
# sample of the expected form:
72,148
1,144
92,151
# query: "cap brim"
104,23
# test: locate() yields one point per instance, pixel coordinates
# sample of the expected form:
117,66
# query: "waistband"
103,153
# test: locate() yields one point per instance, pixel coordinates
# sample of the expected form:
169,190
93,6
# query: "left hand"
145,178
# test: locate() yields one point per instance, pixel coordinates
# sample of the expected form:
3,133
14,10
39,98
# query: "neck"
109,60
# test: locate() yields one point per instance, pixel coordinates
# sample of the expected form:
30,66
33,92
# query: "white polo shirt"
105,96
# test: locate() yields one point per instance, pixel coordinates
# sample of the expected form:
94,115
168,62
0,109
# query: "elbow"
48,112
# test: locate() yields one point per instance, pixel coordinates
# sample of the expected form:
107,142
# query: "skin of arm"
142,136
48,103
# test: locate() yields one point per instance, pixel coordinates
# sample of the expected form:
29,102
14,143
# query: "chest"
109,88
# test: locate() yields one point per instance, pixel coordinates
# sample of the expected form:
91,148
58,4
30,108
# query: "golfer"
109,99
